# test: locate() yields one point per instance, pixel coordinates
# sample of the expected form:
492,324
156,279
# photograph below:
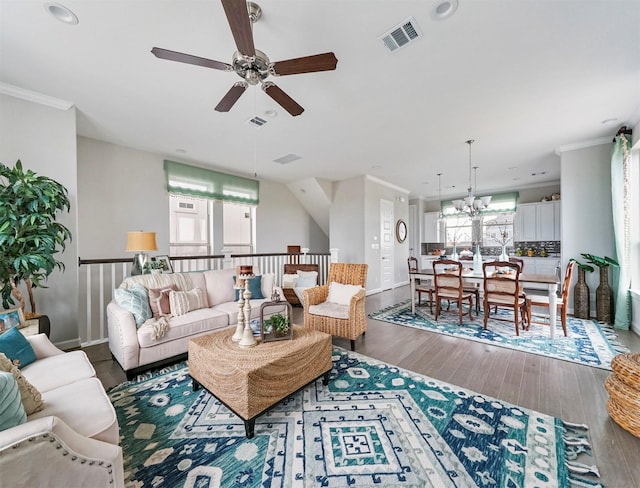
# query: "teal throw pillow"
16,347
255,287
136,301
11,410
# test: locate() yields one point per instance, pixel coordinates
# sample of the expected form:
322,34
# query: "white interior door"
414,233
387,230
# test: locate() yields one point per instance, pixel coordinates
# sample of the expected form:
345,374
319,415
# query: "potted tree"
30,237
604,296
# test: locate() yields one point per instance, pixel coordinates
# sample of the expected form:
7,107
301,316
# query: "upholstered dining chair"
421,285
337,307
561,304
502,288
447,280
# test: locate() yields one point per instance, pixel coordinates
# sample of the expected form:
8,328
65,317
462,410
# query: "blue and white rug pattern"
374,425
588,342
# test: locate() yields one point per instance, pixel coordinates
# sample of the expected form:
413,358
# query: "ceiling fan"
250,64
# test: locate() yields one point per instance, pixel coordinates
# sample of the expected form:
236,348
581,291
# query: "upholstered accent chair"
337,307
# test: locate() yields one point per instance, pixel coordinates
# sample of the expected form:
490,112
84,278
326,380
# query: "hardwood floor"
559,388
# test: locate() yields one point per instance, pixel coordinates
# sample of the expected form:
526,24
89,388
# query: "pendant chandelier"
471,205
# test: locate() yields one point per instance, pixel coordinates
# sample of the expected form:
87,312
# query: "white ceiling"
522,78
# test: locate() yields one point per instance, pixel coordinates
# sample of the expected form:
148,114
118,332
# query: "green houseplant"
604,295
277,324
30,237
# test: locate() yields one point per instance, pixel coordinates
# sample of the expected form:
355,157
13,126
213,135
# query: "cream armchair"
73,440
339,313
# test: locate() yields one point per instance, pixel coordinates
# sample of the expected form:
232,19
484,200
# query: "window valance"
501,203
183,179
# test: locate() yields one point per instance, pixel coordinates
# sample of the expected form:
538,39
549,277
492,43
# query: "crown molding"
581,145
35,97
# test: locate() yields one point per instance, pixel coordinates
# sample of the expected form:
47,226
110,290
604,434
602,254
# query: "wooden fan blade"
284,100
240,24
231,97
158,52
306,64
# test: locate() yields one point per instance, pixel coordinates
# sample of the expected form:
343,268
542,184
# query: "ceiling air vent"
401,35
256,121
287,158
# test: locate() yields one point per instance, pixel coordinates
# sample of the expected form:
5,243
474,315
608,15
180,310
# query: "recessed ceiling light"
181,151
443,9
376,166
609,121
62,13
511,168
270,113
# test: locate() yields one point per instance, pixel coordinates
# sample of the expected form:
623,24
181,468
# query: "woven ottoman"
623,386
250,381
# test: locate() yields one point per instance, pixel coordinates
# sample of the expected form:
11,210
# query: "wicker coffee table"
250,381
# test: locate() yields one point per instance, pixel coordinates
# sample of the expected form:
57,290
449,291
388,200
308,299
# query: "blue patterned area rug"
374,425
588,342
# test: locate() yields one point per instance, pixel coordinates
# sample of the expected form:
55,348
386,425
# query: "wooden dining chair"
519,262
561,304
421,285
447,280
502,288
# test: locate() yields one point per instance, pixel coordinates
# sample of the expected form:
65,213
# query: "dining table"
551,280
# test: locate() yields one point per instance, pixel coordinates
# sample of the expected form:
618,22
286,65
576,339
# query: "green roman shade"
501,203
188,180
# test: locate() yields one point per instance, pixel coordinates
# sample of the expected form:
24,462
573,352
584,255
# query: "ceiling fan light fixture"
443,9
61,13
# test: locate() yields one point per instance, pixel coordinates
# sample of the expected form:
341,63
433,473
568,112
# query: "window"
494,226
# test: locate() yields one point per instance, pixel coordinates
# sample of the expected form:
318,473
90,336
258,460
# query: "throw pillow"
11,410
255,287
342,294
159,300
31,398
307,279
134,300
182,302
16,347
289,280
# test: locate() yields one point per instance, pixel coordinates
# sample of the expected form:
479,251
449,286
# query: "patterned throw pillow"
11,410
16,347
255,287
134,300
159,300
182,302
31,398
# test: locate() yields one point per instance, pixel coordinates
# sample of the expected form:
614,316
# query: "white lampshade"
141,241
485,201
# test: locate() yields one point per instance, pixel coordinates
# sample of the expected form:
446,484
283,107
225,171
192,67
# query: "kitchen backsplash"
550,248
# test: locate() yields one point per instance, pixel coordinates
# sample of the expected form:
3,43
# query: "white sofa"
138,348
73,440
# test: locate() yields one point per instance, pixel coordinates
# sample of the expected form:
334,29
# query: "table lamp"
140,242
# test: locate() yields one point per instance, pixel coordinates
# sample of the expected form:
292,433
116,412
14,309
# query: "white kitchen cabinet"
525,222
431,229
537,222
540,266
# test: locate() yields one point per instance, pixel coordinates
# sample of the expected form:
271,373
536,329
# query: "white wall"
44,139
346,224
281,220
587,224
123,189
